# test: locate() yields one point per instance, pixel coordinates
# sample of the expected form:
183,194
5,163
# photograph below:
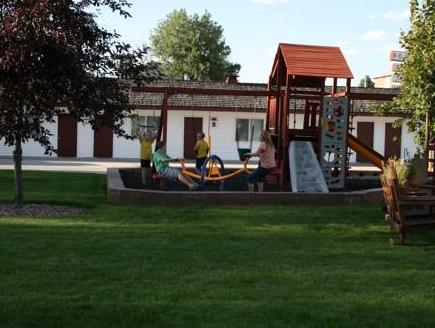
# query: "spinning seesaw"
213,170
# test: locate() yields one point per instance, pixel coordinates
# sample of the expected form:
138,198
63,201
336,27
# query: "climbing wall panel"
335,115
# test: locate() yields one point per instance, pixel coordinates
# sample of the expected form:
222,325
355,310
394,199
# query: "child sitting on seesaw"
161,163
201,149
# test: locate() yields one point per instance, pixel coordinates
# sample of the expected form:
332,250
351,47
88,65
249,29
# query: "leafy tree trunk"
18,159
427,132
427,137
54,52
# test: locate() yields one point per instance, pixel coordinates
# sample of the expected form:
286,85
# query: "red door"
67,136
365,132
393,141
103,141
192,125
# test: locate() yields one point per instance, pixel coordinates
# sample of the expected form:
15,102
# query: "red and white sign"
398,56
395,67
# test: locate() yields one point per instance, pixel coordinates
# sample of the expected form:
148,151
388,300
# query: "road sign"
395,67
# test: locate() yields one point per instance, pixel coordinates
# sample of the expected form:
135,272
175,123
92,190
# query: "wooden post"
307,114
318,146
348,87
334,86
279,98
346,168
268,113
277,113
322,95
285,137
163,124
313,111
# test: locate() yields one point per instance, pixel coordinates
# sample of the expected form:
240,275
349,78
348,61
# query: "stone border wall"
117,193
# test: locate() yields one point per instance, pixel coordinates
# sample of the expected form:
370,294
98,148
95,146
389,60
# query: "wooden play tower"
298,77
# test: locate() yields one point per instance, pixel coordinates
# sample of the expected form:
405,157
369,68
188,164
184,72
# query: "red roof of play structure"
321,61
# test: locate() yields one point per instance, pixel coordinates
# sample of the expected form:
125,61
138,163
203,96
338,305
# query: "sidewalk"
85,165
99,165
88,165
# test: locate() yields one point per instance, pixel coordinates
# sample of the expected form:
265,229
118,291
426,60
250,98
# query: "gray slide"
305,172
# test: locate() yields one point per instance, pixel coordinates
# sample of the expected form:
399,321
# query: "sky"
365,30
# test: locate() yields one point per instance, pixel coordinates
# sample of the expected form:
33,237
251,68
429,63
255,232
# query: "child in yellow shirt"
201,149
146,154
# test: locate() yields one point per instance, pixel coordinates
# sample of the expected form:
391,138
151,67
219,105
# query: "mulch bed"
132,179
40,210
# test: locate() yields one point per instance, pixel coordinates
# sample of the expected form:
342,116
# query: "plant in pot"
417,170
398,168
403,171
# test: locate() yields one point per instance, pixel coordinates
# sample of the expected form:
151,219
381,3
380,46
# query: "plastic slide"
305,172
365,151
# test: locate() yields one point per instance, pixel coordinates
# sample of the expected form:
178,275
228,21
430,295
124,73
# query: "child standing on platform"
266,151
146,154
201,149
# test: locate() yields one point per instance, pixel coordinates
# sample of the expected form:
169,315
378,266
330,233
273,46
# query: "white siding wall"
32,148
5,151
175,132
408,144
85,140
379,135
124,148
223,137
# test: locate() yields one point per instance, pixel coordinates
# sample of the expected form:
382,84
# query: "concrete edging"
117,193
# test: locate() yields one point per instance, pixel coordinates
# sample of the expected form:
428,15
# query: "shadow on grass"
57,188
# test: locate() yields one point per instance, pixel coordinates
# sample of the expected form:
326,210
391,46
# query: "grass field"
206,266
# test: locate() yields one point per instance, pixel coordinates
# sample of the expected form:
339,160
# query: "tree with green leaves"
54,58
366,82
192,47
416,102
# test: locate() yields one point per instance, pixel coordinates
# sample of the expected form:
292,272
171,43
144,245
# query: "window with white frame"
248,128
139,123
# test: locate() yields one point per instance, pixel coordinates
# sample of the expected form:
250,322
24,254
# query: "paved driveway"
68,164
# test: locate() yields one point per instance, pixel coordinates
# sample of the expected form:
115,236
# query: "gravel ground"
39,210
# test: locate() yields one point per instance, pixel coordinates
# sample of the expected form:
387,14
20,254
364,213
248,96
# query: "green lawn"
206,266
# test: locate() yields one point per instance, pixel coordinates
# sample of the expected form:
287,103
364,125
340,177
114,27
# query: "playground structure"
298,78
300,72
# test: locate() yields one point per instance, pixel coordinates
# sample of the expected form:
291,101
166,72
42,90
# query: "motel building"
224,118
388,80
